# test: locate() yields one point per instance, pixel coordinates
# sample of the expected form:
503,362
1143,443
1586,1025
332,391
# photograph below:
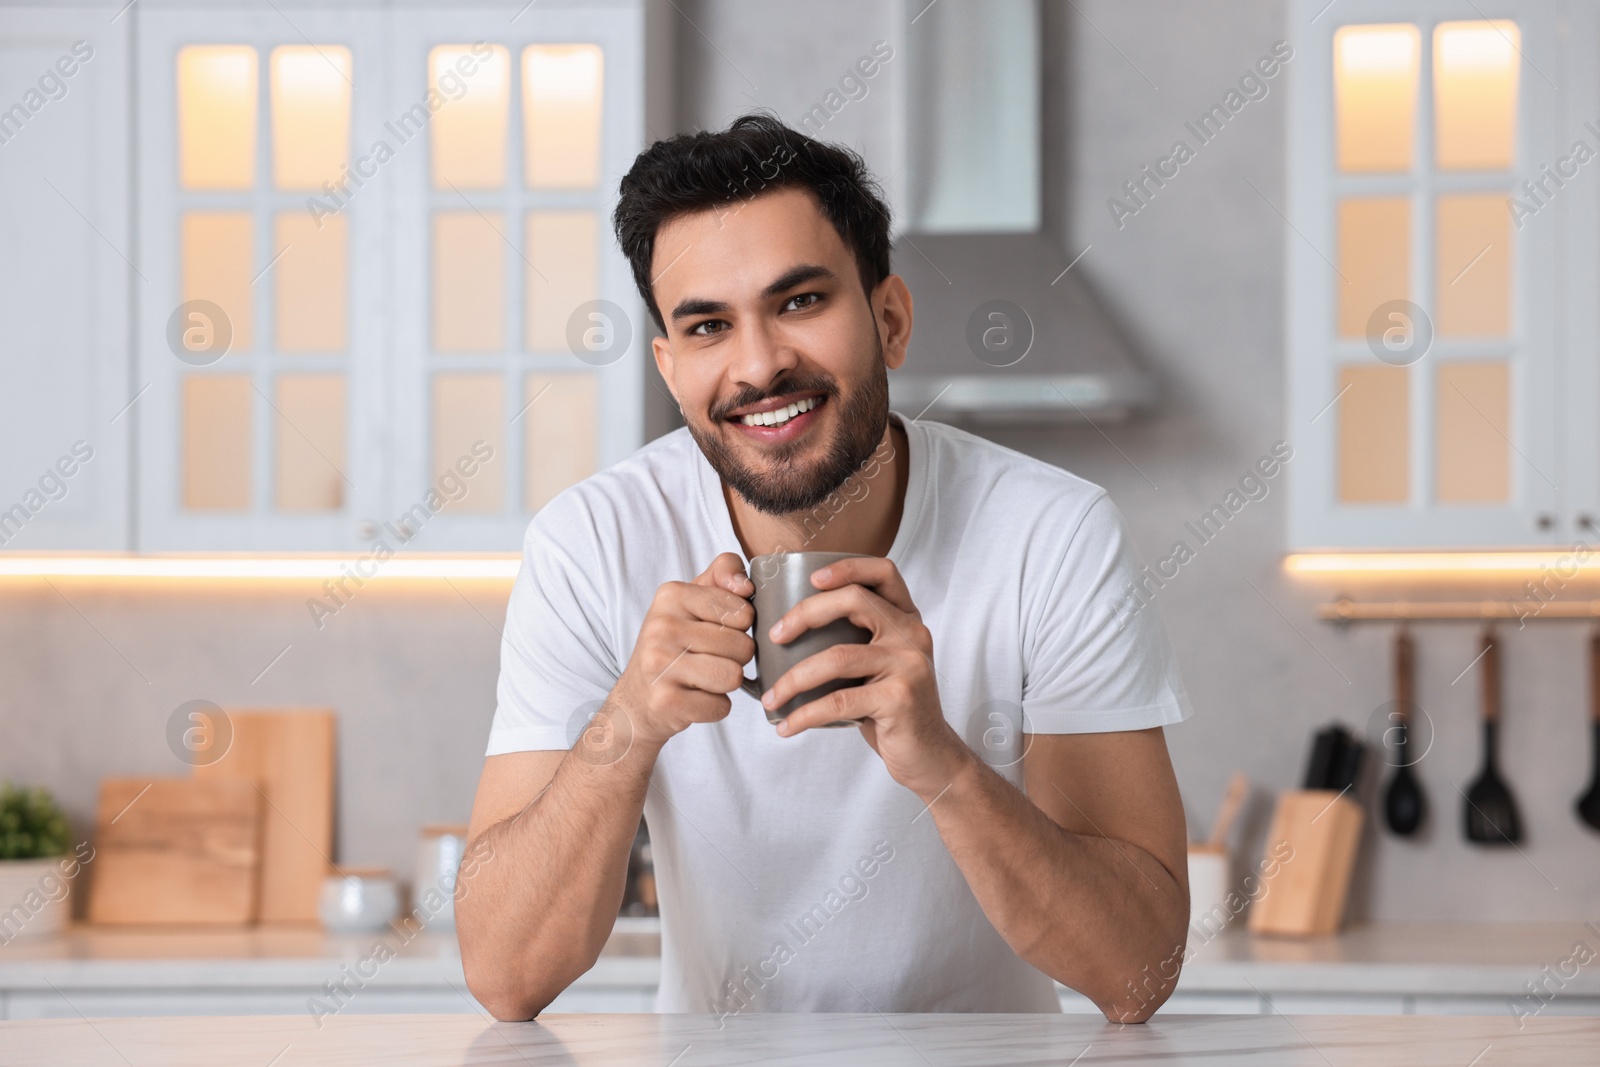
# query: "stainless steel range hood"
1007,328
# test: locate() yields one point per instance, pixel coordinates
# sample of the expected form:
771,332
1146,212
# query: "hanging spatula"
1490,811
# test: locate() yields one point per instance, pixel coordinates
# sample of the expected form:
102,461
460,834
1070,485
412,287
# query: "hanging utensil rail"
1346,610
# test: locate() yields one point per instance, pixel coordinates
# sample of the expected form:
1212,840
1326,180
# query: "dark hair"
756,154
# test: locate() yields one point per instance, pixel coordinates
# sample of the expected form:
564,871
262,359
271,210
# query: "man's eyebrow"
799,275
805,272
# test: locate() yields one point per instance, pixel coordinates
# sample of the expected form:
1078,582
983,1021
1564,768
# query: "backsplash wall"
1196,277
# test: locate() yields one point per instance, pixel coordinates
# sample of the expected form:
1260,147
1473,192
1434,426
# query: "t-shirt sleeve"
1097,655
556,662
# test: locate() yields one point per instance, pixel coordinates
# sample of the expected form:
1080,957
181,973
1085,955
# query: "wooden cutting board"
174,850
288,755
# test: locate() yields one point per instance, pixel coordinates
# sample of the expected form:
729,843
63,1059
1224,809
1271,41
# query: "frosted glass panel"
1472,427
469,282
561,107
216,442
311,89
1374,258
564,248
469,129
217,90
312,282
560,434
1374,434
310,432
1474,266
1475,69
217,267
1375,74
467,409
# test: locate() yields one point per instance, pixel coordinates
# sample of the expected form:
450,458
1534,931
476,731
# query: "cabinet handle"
367,530
1586,522
1546,521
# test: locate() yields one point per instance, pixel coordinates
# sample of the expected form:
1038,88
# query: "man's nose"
760,356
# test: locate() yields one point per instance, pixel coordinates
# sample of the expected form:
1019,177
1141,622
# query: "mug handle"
753,687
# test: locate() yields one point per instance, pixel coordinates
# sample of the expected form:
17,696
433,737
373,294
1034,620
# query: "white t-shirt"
794,874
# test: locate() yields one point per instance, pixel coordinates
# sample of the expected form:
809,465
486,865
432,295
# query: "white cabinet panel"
1335,1004
275,440
496,257
402,368
67,267
1425,351
125,1002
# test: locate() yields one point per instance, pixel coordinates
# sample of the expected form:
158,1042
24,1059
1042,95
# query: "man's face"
764,308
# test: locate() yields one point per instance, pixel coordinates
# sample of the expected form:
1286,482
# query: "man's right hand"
691,652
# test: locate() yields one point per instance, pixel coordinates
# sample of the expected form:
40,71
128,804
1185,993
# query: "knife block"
1305,873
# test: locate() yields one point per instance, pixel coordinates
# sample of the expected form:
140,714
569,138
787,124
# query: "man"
1004,813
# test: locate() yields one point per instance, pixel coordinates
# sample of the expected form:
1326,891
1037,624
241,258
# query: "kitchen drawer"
1458,1005
96,1003
604,1000
1341,1004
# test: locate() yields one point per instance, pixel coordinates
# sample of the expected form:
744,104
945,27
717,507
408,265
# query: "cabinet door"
1423,293
1574,210
518,336
262,323
68,266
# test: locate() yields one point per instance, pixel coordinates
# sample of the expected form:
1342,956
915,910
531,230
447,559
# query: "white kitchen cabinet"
384,304
261,332
516,327
68,266
1580,229
1428,361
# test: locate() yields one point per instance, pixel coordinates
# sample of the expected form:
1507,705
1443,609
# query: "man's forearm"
1099,915
537,917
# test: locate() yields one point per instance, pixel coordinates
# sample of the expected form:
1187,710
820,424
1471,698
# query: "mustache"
752,395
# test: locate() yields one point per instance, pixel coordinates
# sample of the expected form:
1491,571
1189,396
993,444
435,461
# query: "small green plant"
32,824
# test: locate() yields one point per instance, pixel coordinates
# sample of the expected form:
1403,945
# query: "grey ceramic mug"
782,580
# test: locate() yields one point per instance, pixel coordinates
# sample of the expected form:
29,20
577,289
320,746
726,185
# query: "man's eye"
801,301
707,328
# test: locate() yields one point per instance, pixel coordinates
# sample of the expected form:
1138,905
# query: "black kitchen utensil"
1403,802
1345,767
1589,804
1335,760
1319,767
1490,811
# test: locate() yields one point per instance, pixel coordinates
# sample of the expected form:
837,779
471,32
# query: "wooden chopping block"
174,850
289,756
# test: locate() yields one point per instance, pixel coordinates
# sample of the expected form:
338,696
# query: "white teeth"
780,415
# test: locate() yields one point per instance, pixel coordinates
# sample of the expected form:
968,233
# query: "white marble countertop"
1484,959
878,1040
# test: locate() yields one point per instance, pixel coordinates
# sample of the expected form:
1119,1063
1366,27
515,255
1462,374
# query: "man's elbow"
506,990
508,1002
1135,1003
1134,997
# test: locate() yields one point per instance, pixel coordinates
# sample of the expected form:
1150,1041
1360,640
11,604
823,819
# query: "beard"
782,485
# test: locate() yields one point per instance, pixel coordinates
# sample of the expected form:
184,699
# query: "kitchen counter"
1384,968
879,1040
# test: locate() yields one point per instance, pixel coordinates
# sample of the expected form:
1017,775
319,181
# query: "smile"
780,416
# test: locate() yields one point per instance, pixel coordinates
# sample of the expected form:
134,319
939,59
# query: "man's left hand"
897,707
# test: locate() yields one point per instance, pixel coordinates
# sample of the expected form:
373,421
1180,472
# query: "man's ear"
661,348
892,310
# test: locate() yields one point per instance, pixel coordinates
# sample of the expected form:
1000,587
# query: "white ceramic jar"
359,900
433,891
